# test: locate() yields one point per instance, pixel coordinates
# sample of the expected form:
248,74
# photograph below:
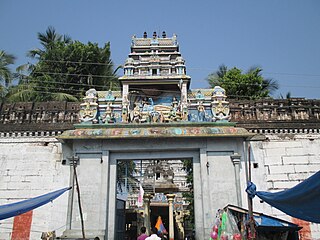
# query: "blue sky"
281,37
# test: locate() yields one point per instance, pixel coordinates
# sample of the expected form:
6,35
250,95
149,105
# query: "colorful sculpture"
89,109
219,106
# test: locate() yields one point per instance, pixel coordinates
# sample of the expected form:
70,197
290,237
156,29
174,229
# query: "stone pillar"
146,201
170,198
184,91
125,91
235,158
179,217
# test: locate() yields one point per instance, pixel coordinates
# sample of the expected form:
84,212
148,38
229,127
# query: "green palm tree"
6,75
268,84
215,78
250,84
48,41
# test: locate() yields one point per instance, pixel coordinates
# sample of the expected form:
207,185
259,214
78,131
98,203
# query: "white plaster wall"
221,177
30,167
283,162
92,181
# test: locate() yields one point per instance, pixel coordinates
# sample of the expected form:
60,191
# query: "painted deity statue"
109,96
184,109
175,113
135,113
89,109
219,106
199,95
201,111
108,116
125,109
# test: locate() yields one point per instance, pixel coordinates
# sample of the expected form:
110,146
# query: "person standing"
143,235
154,235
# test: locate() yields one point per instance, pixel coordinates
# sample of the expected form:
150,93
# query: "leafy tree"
239,85
6,74
65,70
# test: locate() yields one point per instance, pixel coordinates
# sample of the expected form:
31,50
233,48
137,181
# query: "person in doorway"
153,235
143,235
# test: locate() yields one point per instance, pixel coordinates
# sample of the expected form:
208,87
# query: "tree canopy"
6,74
64,70
239,85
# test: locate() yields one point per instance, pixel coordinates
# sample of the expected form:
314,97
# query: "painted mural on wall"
201,105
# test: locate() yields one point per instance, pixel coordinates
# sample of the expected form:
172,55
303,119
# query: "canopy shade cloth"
301,201
14,209
262,221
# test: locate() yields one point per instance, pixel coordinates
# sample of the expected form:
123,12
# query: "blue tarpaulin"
14,209
263,221
301,201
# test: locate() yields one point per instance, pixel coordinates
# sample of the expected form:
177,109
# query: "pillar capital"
235,158
170,197
147,197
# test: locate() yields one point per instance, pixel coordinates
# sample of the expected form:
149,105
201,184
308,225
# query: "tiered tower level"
155,63
155,89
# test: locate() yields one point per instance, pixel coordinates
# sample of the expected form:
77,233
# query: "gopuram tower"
155,69
139,133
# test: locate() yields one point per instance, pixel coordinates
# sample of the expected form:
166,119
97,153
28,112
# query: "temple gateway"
154,153
140,139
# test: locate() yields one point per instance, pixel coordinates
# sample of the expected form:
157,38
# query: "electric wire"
97,85
144,95
134,89
190,68
82,62
75,74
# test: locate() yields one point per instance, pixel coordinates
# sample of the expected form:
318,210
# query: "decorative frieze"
286,116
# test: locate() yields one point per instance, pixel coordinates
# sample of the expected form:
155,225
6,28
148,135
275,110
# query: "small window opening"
154,72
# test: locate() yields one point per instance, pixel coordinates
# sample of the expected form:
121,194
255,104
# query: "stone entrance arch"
217,154
159,155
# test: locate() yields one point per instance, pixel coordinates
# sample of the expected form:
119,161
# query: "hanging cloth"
14,209
301,201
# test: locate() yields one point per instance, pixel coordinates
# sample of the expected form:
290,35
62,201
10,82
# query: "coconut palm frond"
48,38
63,97
6,58
22,95
270,84
35,52
5,72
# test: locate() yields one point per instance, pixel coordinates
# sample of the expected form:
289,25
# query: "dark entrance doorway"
163,212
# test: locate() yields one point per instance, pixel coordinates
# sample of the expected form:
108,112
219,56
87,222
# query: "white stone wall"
30,167
283,162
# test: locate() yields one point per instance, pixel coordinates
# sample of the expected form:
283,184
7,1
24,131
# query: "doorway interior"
156,177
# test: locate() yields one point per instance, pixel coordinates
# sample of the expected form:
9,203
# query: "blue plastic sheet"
301,201
14,209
